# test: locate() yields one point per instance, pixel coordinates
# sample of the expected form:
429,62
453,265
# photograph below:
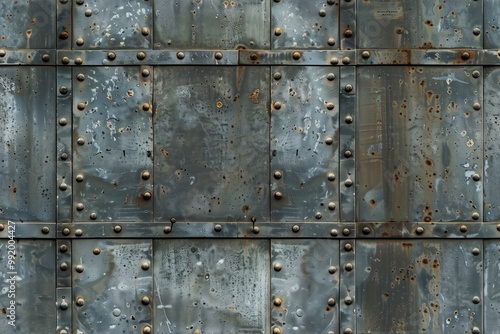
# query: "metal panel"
415,287
27,141
425,24
419,152
299,24
113,24
113,144
304,143
27,24
491,300
202,24
305,285
112,286
205,286
28,286
211,143
348,288
491,24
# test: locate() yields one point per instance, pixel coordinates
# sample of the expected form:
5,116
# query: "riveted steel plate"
116,24
205,286
201,24
420,144
491,300
110,280
112,144
304,143
425,24
211,143
299,24
491,24
27,141
28,288
305,291
419,286
27,24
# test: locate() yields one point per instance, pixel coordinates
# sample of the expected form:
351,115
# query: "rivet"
348,183
476,300
79,177
331,2
475,215
80,106
348,33
218,55
420,230
318,215
218,227
145,31
167,229
63,1
64,305
330,106
276,330
145,265
253,56
141,55
331,41
63,121
66,231
465,55
278,195
476,106
93,216
331,302
147,330
334,61
348,300
366,230
331,176
64,156
63,266
65,60
147,195
79,41
498,227
79,2
334,232
88,13
80,141
96,251
78,232
366,54
328,140
80,302
45,57
277,76
173,220
346,231
348,267
2,53
463,228
476,31
346,60
256,230
348,153
45,230
145,106
278,266
322,13
78,61
331,206
180,55
476,74
475,251
63,331
63,186
278,175
296,55
330,76
197,331
348,330
63,90
2,227
145,73
278,31
277,105
348,247
63,35
253,219
145,175
295,228
111,55
476,330
117,228
332,270
348,119
79,268
277,301
348,88
80,77
63,248
145,300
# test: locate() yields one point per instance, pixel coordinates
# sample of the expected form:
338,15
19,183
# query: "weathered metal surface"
431,286
211,148
348,291
420,144
419,24
27,140
305,285
304,143
491,299
491,24
112,123
202,24
297,57
202,286
28,287
112,282
296,230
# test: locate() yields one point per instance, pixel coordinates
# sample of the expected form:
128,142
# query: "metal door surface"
249,166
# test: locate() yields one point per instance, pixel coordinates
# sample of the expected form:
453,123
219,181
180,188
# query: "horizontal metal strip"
27,57
296,230
297,57
27,230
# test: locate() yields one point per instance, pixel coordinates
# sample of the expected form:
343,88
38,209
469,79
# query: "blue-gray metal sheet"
347,25
27,141
27,24
27,57
296,230
205,286
491,299
298,24
64,265
64,24
348,287
419,24
305,291
28,288
111,278
207,24
112,144
419,286
112,25
491,24
420,144
294,57
304,143
211,143
64,311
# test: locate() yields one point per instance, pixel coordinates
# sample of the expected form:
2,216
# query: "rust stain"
239,76
164,152
254,97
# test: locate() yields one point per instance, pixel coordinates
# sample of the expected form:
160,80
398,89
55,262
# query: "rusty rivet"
348,247
277,105
328,140
45,230
93,216
331,302
278,195
348,88
366,54
145,265
145,31
147,330
79,177
277,301
348,330
476,31
80,106
88,13
80,301
218,227
141,55
145,175
65,60
278,31
348,33
180,55
78,61
331,176
348,153
145,73
146,106
45,57
346,60
276,330
253,219
330,76
334,61
475,251
476,300
64,305
64,156
63,90
63,35
111,55
318,215
253,56
476,330
330,41
331,206
463,228
80,77
145,300
295,228
475,74
218,55
80,141
346,231
2,227
420,230
465,55
256,230
167,229
66,231
475,215
96,251
348,119
476,106
330,106
278,174
334,232
63,186
366,230
64,266
348,300
348,183
117,228
322,13
79,41
79,268
278,266
78,232
277,76
332,270
296,55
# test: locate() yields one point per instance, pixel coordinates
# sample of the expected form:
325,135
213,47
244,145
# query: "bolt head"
331,176
346,60
348,88
476,251
277,105
277,301
348,33
88,13
346,231
147,195
463,228
278,175
334,232
420,230
348,247
465,55
147,330
476,31
145,73
167,229
79,177
65,231
475,215
63,186
218,227
80,206
111,55
145,265
145,31
331,41
278,266
476,106
145,300
295,228
348,267
93,216
79,268
330,76
180,55
96,251
278,31
45,58
348,183
256,230
117,229
296,55
218,55
63,90
476,177
476,330
78,232
348,300
278,195
64,305
328,140
476,74
331,206
64,60
332,270
318,215
80,302
78,61
476,299
277,76
63,266
145,175
366,54
276,330
45,230
79,41
331,302
141,55
366,230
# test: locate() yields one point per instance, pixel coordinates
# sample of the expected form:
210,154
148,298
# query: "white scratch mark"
161,304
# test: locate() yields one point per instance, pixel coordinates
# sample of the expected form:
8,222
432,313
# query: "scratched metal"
27,24
117,24
112,285
491,301
305,292
209,286
299,24
420,143
27,141
211,143
419,286
304,143
34,276
491,24
425,24
209,24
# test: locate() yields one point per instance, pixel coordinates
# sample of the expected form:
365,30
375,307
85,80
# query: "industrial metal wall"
249,166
